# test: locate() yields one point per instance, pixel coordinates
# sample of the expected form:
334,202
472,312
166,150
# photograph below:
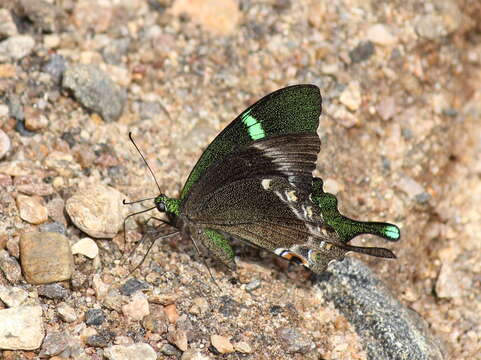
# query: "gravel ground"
401,142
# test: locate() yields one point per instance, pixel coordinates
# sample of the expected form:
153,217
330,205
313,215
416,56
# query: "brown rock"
172,313
45,257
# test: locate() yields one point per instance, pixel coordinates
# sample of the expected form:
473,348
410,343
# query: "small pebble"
222,344
45,257
42,14
94,317
194,355
55,227
131,286
362,52
95,90
21,328
32,209
130,352
86,247
294,341
53,344
243,347
53,291
5,144
163,299
34,119
379,34
10,267
169,350
253,285
16,47
101,340
179,339
137,308
12,296
172,313
97,211
66,312
199,306
410,186
351,96
219,18
7,24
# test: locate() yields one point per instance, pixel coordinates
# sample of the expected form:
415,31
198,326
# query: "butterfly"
254,183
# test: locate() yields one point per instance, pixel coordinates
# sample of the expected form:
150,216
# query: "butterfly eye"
160,206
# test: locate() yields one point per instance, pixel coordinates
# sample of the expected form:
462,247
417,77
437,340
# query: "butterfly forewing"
294,109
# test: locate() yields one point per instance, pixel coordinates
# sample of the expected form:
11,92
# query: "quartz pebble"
130,352
97,211
66,312
21,328
379,34
222,344
86,247
45,257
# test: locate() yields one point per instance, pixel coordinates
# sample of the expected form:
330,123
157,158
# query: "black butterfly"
254,183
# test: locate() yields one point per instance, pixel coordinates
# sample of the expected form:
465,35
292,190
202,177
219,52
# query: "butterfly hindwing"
294,109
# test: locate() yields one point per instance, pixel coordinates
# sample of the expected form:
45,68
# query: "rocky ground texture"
401,142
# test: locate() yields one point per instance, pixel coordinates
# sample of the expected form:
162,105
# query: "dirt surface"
401,142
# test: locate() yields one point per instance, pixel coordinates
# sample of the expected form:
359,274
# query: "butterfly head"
166,204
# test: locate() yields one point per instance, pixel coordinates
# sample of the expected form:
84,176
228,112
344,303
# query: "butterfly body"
254,183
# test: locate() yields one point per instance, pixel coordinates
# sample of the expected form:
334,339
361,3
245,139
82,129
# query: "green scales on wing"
254,183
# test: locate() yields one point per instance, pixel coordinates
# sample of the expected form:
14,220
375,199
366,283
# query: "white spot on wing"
266,183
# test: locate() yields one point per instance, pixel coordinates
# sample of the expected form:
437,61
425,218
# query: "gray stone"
12,296
16,47
388,329
53,344
95,90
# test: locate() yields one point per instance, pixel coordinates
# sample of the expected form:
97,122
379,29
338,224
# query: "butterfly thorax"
169,206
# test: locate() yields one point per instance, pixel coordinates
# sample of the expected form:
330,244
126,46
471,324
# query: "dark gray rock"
53,291
362,52
94,89
387,328
131,286
94,317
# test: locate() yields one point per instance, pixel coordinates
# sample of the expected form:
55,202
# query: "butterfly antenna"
145,161
125,202
206,265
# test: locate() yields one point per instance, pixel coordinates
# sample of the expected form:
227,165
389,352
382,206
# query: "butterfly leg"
218,245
